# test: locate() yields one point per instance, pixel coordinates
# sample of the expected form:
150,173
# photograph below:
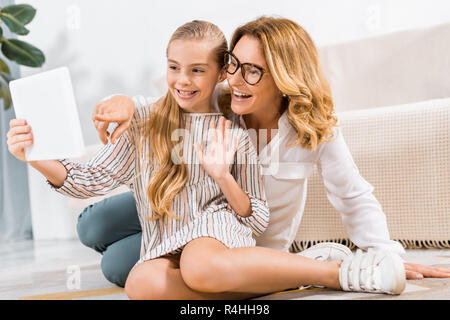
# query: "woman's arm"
119,109
361,212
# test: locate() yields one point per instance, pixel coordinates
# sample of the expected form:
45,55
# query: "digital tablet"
47,102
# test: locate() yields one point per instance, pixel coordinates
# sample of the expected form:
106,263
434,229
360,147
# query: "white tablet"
46,101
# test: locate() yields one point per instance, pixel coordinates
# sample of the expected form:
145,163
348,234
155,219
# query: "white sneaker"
373,271
326,251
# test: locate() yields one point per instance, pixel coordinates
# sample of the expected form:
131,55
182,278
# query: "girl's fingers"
17,130
198,152
221,130
17,122
213,132
20,138
19,147
227,134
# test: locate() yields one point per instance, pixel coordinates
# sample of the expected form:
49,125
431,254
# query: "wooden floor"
51,270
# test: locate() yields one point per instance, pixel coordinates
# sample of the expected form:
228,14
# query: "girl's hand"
417,271
119,109
19,137
218,161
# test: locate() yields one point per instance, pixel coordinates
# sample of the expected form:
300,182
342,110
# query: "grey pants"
111,227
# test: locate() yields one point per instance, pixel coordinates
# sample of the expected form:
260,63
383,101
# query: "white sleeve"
362,215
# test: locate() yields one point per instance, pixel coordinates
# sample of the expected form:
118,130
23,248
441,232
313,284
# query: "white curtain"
15,213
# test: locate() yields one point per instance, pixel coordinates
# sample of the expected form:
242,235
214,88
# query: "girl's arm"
113,166
217,164
236,197
53,170
20,137
243,186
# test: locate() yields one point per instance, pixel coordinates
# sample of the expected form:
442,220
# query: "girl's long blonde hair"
165,118
294,65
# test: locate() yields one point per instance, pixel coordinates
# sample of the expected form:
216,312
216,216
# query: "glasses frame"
240,66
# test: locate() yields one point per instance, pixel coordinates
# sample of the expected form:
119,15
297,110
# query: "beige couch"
402,150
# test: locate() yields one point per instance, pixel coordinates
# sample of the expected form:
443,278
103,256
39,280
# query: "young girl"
199,215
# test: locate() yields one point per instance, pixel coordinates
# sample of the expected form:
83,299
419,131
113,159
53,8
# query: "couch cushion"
397,68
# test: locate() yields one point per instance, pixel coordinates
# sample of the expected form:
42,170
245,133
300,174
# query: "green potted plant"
15,17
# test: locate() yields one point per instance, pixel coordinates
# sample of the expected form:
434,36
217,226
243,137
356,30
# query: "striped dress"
201,208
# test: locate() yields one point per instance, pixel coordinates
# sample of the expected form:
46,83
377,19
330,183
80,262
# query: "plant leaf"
5,93
6,77
6,96
4,67
13,24
17,16
24,13
23,53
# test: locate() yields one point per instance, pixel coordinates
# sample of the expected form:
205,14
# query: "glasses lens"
252,74
231,63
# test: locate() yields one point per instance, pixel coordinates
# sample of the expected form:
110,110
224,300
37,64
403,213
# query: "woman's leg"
208,266
160,279
120,257
107,221
111,227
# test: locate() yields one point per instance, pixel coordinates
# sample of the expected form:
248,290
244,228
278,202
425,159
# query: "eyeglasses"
251,73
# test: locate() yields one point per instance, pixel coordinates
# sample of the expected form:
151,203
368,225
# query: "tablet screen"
47,102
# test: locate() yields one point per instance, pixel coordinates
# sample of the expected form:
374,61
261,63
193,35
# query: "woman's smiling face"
247,98
192,73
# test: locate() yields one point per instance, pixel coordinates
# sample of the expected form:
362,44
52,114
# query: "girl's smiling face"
193,73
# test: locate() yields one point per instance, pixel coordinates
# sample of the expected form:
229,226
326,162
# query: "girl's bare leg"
208,266
160,279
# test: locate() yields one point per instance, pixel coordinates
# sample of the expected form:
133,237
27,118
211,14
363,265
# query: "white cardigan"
285,173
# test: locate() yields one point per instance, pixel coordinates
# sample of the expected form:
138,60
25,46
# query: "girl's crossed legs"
207,269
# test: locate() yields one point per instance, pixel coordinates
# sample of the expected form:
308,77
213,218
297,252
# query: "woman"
276,84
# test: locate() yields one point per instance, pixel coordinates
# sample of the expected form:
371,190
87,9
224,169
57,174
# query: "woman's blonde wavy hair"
294,65
171,174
